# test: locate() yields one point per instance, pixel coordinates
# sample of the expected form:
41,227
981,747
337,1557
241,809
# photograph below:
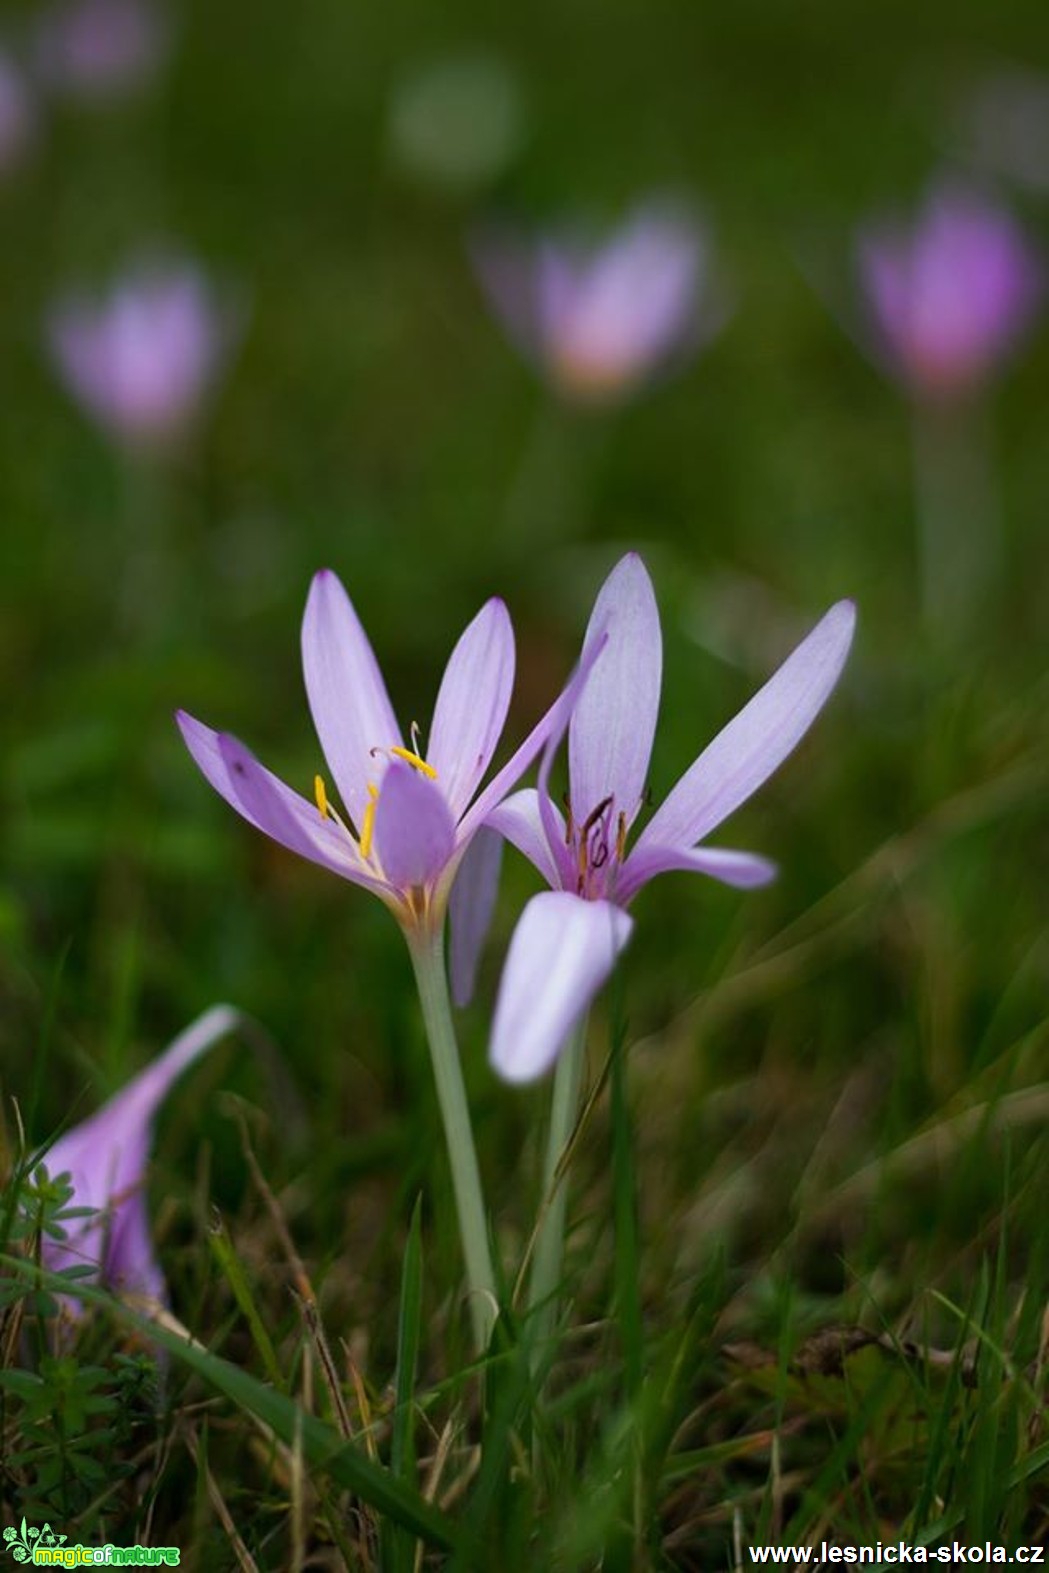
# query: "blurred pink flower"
951,293
141,360
600,319
106,1158
17,114
100,49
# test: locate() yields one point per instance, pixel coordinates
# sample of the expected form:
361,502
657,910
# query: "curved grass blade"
323,1447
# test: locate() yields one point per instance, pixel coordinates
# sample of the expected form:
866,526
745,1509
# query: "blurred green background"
375,419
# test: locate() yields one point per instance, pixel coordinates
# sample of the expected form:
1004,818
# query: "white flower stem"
427,953
548,1261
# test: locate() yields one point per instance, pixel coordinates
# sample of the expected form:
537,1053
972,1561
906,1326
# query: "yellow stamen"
368,822
414,759
321,796
621,837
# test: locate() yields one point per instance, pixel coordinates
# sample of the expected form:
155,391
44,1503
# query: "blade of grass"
399,1547
229,1265
323,1448
622,1552
627,1250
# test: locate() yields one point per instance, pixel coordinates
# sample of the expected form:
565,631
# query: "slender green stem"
550,1242
427,953
960,530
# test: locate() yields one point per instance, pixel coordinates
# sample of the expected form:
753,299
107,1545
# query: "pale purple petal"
519,820
106,1157
130,1263
743,870
612,726
266,802
470,910
472,704
414,830
562,951
757,741
552,723
348,700
609,318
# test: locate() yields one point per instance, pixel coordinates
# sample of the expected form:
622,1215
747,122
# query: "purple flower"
106,1158
100,49
568,938
600,319
951,293
408,815
141,361
17,114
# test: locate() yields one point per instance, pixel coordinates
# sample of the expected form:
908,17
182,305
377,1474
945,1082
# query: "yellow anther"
321,795
368,822
621,837
415,761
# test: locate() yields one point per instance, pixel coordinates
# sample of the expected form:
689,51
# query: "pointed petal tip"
846,611
839,623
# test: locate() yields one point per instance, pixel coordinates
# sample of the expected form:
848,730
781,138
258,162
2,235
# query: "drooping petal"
472,704
348,700
107,1154
518,819
744,870
470,910
414,830
266,802
758,739
562,951
612,726
553,722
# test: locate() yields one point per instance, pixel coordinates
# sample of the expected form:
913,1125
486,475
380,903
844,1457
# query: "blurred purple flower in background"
106,1158
600,319
17,114
951,293
567,939
96,50
141,360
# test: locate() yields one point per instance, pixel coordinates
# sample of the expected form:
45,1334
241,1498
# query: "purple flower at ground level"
567,940
600,319
17,114
141,361
106,1158
409,815
100,49
951,293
